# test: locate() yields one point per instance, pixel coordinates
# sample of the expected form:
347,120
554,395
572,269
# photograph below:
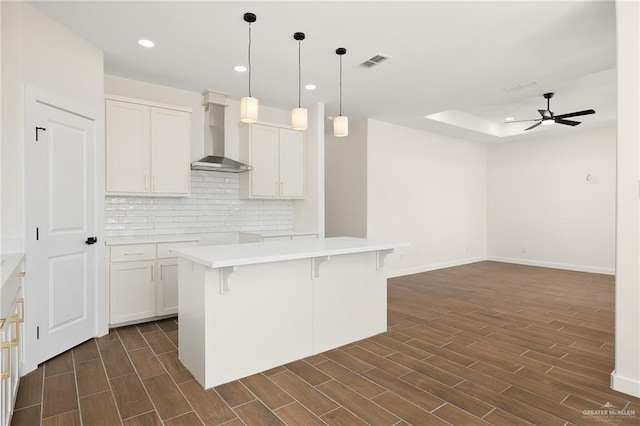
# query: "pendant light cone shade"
340,123
299,115
340,126
299,119
249,104
249,110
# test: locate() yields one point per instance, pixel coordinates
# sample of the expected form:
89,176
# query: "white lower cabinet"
11,343
132,290
143,282
167,295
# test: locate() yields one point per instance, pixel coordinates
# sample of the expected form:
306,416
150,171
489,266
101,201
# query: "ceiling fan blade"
576,114
535,125
522,121
567,122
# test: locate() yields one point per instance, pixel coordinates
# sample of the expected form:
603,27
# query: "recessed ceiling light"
146,43
310,86
240,68
508,119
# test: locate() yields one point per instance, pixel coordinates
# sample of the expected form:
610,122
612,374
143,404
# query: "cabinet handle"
146,183
161,271
5,375
151,272
21,274
154,183
277,188
134,254
281,186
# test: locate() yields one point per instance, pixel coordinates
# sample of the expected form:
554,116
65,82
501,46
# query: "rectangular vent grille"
375,60
519,87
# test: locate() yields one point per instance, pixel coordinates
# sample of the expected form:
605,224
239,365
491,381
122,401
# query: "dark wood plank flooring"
487,343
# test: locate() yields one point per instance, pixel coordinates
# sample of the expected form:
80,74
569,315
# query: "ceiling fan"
548,117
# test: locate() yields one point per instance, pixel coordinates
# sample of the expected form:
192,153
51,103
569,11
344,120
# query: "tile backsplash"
213,206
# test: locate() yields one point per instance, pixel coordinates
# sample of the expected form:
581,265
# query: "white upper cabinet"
147,148
277,155
127,142
291,164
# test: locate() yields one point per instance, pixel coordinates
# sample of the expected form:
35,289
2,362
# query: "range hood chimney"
214,107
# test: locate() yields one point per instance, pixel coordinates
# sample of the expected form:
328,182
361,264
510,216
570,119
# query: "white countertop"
252,253
8,264
291,232
151,239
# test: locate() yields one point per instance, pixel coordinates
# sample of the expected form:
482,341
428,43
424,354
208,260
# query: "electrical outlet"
523,249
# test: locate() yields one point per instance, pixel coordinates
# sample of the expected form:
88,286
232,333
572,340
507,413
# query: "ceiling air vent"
375,60
519,87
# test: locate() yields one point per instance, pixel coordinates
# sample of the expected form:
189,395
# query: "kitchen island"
245,308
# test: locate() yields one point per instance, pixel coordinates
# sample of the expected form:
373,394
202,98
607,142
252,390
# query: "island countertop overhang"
277,251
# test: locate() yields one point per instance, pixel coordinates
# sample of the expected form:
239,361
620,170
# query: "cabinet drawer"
278,238
133,252
165,250
305,237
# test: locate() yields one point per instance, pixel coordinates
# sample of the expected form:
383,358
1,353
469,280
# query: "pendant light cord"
340,85
249,59
299,75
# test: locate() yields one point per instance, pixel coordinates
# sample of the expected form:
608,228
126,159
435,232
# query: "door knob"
91,240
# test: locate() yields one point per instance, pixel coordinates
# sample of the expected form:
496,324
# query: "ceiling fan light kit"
249,104
548,117
341,122
299,114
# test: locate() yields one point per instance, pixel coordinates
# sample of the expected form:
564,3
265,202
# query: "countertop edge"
252,260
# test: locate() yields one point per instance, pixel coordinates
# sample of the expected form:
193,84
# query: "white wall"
428,190
310,212
543,211
626,377
346,182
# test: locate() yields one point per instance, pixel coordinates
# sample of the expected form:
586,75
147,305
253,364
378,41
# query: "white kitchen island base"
242,315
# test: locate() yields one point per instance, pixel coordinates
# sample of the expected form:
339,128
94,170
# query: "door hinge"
39,128
37,234
38,332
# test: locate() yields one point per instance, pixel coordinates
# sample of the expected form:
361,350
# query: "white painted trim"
434,266
147,103
554,265
625,385
32,96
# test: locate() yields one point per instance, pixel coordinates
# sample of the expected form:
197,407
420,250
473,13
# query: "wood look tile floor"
487,343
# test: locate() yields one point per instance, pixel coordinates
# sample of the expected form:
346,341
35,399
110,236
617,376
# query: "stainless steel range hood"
214,106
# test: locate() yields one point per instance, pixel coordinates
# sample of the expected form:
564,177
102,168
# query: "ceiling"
483,60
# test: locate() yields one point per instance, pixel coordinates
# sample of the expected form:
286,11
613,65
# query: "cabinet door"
127,147
170,151
131,291
265,179
291,163
167,290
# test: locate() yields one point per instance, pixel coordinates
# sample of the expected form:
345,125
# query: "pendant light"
299,115
341,123
249,104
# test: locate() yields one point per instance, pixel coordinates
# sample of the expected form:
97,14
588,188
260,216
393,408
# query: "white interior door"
60,210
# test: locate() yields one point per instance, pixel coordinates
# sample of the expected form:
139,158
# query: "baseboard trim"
625,385
433,267
553,265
